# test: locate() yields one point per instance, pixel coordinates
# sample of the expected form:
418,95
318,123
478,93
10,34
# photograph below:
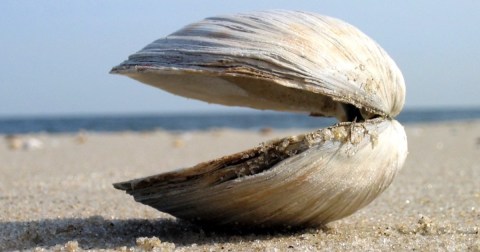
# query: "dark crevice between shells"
352,113
349,113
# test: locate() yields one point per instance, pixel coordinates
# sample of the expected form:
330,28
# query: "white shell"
264,60
281,60
320,177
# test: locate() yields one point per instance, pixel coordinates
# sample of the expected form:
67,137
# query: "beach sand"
56,194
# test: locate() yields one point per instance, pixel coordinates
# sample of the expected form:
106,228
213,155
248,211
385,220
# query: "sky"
56,55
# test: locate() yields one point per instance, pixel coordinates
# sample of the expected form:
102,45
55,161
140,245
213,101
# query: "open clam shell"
289,61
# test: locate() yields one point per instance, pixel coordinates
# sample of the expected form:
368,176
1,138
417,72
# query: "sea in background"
205,121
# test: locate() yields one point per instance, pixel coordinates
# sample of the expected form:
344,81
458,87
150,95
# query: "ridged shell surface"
304,180
279,60
300,62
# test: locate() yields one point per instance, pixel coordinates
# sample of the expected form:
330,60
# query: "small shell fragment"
286,61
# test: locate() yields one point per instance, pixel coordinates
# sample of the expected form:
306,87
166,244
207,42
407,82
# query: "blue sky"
55,55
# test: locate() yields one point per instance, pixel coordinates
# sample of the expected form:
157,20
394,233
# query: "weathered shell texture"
280,60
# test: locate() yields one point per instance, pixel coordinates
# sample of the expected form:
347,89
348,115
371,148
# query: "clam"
285,61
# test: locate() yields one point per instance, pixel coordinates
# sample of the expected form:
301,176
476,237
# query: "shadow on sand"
99,233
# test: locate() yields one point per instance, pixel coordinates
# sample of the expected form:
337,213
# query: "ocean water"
183,122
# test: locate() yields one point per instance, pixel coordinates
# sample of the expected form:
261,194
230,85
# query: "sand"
56,194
